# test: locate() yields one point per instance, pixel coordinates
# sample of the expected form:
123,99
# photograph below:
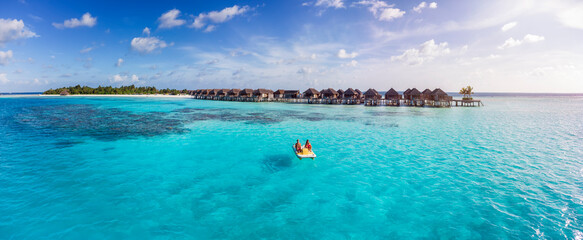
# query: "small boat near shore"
305,153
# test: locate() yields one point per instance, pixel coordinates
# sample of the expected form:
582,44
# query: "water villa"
410,97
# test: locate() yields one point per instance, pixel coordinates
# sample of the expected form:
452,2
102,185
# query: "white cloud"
118,78
343,54
124,79
146,31
5,57
511,42
352,63
147,44
508,26
169,19
419,7
86,50
119,62
330,3
210,28
528,38
3,78
389,14
427,51
381,10
86,21
572,17
227,13
218,16
12,29
199,21
423,5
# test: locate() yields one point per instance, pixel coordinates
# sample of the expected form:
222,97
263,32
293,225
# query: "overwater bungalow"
340,93
406,93
213,92
330,96
350,93
262,94
279,93
246,94
392,97
311,93
426,94
206,92
351,96
372,97
413,98
329,93
291,94
440,98
359,96
222,93
233,94
372,93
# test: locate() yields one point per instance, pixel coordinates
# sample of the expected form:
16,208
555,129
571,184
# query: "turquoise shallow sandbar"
137,168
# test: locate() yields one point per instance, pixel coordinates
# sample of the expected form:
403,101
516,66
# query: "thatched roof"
358,91
262,91
329,91
340,92
234,91
350,92
414,92
214,92
371,92
311,91
292,92
426,92
392,92
246,91
438,92
279,91
406,92
64,92
223,91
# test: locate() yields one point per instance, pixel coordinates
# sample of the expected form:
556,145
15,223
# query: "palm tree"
463,91
467,92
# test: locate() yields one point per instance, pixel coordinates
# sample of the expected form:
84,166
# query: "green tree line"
115,90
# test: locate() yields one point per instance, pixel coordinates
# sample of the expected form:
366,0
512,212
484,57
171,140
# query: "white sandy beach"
102,95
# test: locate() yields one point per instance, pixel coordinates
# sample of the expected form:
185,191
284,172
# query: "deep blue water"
140,168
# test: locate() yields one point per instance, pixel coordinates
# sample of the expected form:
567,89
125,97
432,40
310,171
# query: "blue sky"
503,46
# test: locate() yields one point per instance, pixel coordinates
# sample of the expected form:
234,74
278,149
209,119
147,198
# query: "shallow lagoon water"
135,168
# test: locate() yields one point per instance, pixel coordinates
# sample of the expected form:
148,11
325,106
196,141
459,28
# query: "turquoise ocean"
169,168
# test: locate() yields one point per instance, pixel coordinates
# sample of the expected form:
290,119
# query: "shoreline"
101,95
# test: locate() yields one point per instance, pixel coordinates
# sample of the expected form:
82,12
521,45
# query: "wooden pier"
411,97
468,103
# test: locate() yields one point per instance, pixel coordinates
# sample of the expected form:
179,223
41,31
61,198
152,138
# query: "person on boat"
298,146
308,145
